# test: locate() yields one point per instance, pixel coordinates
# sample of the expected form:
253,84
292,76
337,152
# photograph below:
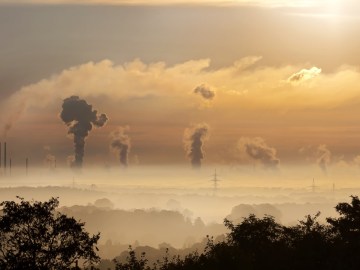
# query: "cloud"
356,160
266,3
205,91
194,138
304,75
238,89
130,80
256,149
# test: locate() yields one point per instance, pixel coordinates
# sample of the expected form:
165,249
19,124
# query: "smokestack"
10,165
5,156
27,165
0,156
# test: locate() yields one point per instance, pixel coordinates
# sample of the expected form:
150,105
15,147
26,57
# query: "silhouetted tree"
347,233
261,243
309,244
132,263
34,236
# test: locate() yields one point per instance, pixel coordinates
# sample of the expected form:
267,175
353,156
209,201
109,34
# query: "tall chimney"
0,156
5,156
10,165
27,165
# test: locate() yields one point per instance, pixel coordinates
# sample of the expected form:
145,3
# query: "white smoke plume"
256,149
120,143
323,157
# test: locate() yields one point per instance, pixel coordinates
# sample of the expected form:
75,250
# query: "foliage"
261,243
34,236
346,230
132,263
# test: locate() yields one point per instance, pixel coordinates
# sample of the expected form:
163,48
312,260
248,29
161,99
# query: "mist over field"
177,205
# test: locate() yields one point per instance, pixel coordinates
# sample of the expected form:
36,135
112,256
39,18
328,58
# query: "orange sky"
288,77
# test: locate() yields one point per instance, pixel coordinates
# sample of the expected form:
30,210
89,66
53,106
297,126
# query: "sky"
260,83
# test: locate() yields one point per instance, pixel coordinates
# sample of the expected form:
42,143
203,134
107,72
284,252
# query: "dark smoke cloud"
256,149
121,144
194,138
80,118
205,91
323,157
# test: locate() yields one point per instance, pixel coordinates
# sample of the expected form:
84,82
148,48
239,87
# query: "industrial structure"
215,180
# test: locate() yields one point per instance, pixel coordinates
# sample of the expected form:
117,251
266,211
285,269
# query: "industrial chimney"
27,165
0,156
5,157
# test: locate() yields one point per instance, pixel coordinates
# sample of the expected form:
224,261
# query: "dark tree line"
262,243
34,236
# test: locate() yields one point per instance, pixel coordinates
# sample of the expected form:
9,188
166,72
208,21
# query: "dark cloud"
194,138
205,91
80,117
257,149
121,144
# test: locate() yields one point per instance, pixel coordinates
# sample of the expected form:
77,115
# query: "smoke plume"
50,161
79,116
323,157
205,91
257,150
194,138
121,144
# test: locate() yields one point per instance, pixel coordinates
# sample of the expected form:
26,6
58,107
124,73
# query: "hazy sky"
278,81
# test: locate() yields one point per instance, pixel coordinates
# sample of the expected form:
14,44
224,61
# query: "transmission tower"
313,186
215,180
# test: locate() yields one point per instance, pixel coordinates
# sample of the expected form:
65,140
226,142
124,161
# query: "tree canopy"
33,235
261,243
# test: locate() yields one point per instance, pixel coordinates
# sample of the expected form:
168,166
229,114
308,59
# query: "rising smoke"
50,161
120,143
323,157
194,138
79,116
256,149
205,91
